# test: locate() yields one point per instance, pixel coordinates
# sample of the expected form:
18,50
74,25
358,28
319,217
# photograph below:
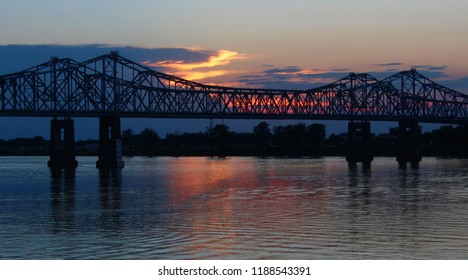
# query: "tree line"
298,139
289,140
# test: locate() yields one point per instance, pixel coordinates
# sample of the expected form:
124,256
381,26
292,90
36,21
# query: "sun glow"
199,70
223,57
199,75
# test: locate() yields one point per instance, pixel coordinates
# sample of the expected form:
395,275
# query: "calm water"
234,208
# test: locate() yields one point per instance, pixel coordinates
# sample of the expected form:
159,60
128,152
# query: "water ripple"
237,208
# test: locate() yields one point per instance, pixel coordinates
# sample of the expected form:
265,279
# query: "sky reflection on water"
234,208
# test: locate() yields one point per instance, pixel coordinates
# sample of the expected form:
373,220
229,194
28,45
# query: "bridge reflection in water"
167,208
111,87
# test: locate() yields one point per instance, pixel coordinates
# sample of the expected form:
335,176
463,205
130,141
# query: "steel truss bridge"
111,85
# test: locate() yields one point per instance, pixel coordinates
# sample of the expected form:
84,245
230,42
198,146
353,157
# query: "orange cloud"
299,72
199,71
223,57
198,75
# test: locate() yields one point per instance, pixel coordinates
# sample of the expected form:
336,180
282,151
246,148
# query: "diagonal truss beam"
113,85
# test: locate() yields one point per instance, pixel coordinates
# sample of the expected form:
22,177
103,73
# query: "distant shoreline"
293,141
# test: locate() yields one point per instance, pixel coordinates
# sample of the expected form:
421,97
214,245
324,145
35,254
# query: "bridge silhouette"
111,87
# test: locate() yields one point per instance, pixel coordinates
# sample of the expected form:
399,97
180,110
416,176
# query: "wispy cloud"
221,58
18,57
293,77
390,64
430,67
213,66
437,68
189,63
198,70
460,84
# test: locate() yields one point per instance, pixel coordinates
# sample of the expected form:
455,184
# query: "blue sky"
255,43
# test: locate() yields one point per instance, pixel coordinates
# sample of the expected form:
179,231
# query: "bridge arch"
111,86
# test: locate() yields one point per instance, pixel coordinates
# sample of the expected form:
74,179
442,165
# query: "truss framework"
113,85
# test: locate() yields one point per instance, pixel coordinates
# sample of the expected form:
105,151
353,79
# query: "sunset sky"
253,43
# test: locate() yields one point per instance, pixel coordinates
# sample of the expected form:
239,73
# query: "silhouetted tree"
36,142
336,140
220,134
127,135
128,141
444,136
150,139
290,140
316,136
297,136
462,137
279,139
262,135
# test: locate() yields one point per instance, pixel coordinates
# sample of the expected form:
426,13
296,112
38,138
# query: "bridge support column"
359,146
62,150
110,146
409,143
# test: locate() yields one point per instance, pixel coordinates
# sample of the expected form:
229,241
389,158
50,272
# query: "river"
234,208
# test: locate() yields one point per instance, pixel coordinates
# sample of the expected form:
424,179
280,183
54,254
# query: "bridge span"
111,87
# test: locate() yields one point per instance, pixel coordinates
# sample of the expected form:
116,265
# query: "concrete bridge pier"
409,134
62,144
110,146
359,143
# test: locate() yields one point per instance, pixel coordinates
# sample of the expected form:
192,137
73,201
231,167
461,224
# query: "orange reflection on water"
225,201
195,176
203,186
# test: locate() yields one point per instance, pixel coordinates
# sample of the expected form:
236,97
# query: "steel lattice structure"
115,86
